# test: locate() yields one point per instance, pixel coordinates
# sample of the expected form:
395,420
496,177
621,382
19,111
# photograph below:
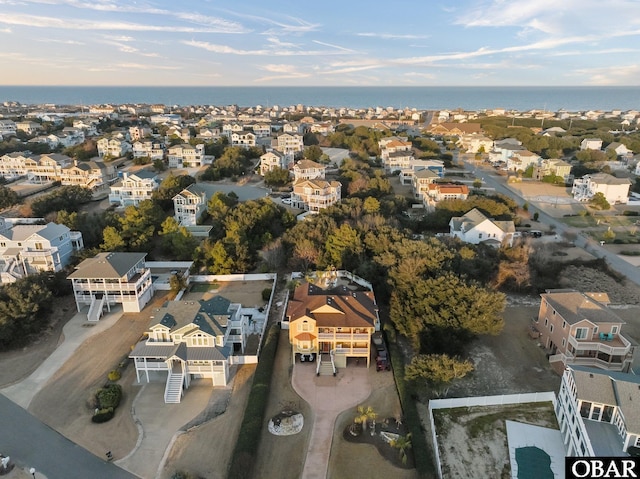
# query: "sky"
324,43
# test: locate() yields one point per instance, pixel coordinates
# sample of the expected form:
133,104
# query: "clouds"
474,42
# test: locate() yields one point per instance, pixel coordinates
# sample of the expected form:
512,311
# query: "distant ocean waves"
422,98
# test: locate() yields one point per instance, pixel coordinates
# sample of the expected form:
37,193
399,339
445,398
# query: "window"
595,330
551,329
581,333
564,324
480,236
39,246
546,322
305,326
564,342
614,329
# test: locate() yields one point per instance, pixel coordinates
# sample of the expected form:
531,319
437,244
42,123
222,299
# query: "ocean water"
422,98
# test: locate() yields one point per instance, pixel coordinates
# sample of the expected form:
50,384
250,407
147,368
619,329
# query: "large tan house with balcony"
108,279
314,195
580,329
333,323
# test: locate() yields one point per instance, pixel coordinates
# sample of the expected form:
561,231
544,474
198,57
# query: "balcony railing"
344,337
157,365
353,351
619,346
568,359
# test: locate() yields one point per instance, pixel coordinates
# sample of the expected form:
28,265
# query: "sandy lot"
473,441
205,448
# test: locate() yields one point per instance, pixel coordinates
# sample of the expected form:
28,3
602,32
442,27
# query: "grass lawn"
599,220
203,287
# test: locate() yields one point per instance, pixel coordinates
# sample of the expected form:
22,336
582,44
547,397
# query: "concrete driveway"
328,396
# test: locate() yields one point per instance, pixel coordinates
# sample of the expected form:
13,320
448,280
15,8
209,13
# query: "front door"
325,347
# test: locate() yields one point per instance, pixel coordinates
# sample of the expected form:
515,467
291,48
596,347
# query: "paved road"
583,240
31,443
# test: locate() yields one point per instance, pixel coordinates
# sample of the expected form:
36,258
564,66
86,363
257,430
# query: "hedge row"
244,453
406,392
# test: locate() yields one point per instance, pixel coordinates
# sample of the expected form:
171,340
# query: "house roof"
426,173
22,232
146,349
317,183
107,265
449,188
336,307
308,164
611,388
202,314
473,218
575,306
607,179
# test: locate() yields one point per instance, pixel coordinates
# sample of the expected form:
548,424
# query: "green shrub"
266,294
109,396
114,375
244,453
103,415
631,213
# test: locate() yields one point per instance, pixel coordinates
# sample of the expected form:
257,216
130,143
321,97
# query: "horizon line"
319,86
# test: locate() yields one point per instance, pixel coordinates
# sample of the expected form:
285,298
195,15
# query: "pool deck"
548,440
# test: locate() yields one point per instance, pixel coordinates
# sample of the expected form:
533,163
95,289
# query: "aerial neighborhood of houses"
313,254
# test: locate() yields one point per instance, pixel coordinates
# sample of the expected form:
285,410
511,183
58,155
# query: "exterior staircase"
95,310
173,390
325,367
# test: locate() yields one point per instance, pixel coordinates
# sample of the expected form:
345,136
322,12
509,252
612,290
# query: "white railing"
318,363
95,310
154,365
352,351
344,336
600,346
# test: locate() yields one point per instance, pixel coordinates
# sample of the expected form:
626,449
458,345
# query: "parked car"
286,201
536,233
382,355
307,358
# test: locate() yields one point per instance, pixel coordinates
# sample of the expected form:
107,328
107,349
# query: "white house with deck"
134,188
31,248
187,340
474,227
598,412
109,279
615,190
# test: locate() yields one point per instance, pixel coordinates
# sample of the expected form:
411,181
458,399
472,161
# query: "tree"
177,240
609,235
170,187
24,308
402,444
600,201
277,177
8,197
445,306
477,183
365,414
313,152
177,282
69,198
437,370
